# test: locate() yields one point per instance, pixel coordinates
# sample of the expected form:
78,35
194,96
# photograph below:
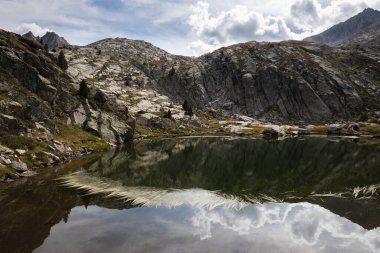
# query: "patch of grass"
254,130
76,137
317,129
371,129
4,170
15,141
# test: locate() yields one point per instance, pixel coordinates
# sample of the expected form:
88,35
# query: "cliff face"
283,82
287,82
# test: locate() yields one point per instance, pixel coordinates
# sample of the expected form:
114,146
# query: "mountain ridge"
344,33
51,39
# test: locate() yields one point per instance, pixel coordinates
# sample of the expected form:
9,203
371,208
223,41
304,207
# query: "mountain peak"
365,25
369,10
53,40
30,35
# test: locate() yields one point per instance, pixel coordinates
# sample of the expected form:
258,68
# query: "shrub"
168,114
185,106
84,91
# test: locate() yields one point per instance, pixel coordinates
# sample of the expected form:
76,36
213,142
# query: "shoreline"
66,159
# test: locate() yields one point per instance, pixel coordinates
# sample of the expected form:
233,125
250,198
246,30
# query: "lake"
202,195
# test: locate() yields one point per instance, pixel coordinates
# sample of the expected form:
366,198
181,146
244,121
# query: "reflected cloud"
303,223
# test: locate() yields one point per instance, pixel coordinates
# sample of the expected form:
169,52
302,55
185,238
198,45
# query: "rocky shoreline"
17,168
20,163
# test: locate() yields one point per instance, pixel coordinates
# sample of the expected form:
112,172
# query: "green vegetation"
168,114
84,91
4,170
15,141
76,137
61,61
187,108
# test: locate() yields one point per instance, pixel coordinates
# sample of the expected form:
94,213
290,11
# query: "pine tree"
190,112
185,106
46,47
83,89
168,114
61,62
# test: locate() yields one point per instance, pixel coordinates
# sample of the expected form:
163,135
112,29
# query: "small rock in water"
28,173
303,132
270,133
333,131
12,176
19,166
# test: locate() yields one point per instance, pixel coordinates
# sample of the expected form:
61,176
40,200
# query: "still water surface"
203,195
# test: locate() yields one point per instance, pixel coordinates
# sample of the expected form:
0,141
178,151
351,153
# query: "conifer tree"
83,89
61,62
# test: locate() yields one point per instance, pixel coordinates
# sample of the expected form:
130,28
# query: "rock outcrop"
286,82
34,89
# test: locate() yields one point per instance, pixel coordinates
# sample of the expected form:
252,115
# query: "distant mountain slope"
52,39
30,35
362,29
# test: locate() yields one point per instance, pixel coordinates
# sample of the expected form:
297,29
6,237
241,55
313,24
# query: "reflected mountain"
209,185
250,169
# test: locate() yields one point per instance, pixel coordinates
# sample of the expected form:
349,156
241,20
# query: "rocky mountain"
295,82
286,82
30,35
34,90
53,40
362,29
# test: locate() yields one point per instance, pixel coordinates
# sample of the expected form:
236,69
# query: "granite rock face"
286,82
34,89
278,82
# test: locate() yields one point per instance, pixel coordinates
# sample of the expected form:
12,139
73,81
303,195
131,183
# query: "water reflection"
274,227
199,195
251,170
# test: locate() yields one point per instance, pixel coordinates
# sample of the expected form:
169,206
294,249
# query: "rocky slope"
37,100
286,82
362,29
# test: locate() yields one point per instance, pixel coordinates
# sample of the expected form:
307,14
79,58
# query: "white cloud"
235,25
219,24
198,26
302,224
32,27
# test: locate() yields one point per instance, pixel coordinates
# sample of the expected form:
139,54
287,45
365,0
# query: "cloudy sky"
188,27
